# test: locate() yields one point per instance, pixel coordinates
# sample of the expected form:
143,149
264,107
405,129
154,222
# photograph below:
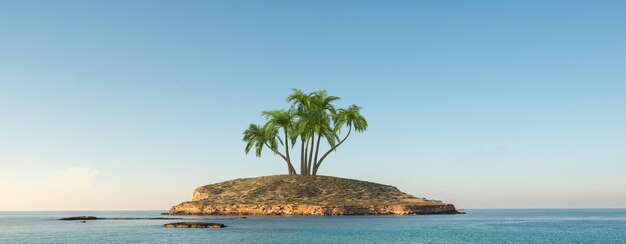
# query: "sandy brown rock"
306,195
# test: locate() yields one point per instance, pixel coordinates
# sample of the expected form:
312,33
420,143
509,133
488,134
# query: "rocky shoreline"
198,208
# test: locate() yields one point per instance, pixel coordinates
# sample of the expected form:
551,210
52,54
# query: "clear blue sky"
132,104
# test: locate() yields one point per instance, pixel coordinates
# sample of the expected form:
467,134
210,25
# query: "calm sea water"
477,226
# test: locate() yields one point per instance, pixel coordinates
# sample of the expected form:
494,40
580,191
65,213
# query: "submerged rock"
194,225
306,195
97,218
80,218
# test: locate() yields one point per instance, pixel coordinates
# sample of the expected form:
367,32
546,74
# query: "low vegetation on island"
306,195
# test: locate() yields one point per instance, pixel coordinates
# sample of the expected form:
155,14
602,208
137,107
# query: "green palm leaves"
311,118
350,117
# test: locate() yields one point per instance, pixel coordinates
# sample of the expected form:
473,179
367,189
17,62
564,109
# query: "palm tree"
263,136
301,105
350,117
311,116
281,119
314,111
322,112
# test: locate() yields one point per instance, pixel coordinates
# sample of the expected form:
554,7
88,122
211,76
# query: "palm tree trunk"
317,150
308,166
292,170
306,161
317,164
302,158
289,166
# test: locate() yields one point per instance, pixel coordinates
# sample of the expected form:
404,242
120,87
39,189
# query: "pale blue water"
477,226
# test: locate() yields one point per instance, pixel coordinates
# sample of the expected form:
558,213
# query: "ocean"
477,226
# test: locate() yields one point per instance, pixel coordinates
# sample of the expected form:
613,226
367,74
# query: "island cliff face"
305,195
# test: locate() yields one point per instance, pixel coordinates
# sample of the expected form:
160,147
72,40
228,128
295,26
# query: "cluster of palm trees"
311,118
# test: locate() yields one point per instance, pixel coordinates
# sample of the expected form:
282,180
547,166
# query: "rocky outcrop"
194,225
191,208
81,218
306,195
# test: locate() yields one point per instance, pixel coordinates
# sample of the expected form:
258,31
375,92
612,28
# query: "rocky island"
311,119
305,195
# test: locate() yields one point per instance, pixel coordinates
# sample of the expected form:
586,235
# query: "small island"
311,119
305,195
